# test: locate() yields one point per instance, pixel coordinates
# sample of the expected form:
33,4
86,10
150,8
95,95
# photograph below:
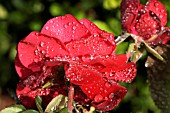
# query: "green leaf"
102,25
65,110
35,25
115,25
121,48
46,85
137,55
13,109
38,101
56,9
153,52
56,104
30,111
111,4
3,12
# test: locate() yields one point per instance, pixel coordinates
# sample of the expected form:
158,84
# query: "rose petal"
21,70
159,9
123,73
27,90
147,26
164,38
100,62
108,104
92,45
27,99
65,28
102,92
81,74
102,87
81,97
129,10
111,61
94,29
129,6
27,96
36,47
90,26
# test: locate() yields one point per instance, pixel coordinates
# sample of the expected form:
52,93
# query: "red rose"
87,55
147,21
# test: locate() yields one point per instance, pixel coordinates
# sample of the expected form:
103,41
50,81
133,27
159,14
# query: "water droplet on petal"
107,85
43,52
74,27
36,60
51,21
98,98
112,95
65,26
101,89
46,27
42,44
156,4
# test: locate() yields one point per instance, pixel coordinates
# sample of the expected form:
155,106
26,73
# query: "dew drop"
63,17
111,95
162,11
43,52
36,52
37,34
98,98
42,44
21,55
74,27
46,27
101,89
36,60
107,85
65,26
51,21
156,4
69,23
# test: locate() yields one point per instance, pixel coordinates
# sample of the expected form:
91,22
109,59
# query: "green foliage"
122,47
57,105
38,101
13,109
111,4
17,109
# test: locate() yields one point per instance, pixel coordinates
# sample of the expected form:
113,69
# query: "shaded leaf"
56,104
30,111
13,109
121,48
111,4
38,101
65,110
137,55
153,52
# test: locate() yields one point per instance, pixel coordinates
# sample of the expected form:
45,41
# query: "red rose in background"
76,51
147,21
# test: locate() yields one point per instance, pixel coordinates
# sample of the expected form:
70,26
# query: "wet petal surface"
21,70
159,9
92,45
65,28
129,10
82,74
122,73
105,95
36,47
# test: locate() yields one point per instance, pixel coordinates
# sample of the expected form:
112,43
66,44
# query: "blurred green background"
19,17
